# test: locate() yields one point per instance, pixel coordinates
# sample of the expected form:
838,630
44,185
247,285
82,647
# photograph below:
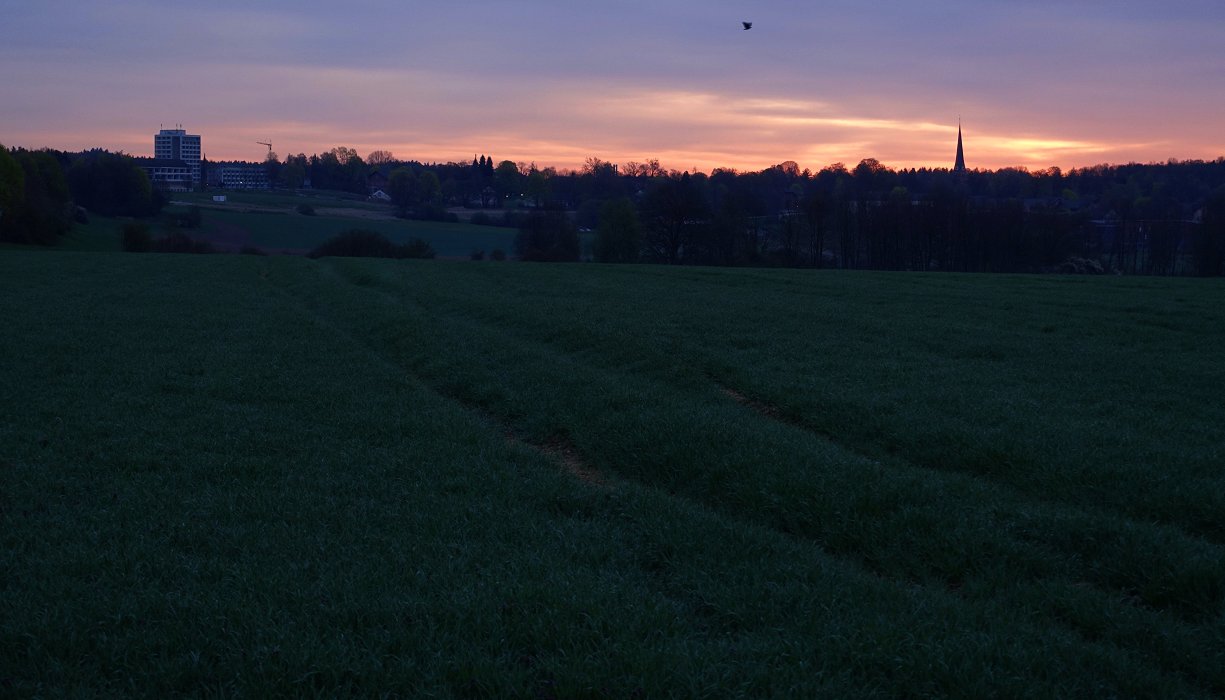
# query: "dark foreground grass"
228,475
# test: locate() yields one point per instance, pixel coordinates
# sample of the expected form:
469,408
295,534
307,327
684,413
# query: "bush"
252,250
430,212
1080,266
497,254
427,212
180,243
481,219
136,238
356,243
363,243
477,255
416,248
188,218
511,219
306,209
192,219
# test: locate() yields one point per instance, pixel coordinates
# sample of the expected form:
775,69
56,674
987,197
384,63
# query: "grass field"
282,199
235,475
273,232
269,220
292,232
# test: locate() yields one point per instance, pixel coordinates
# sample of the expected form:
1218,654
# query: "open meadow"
244,475
270,221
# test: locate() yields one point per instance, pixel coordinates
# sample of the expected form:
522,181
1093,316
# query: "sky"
553,82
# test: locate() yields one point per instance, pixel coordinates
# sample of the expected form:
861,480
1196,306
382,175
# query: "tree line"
1133,218
44,192
1136,218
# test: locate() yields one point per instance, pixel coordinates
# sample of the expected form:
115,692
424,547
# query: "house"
376,181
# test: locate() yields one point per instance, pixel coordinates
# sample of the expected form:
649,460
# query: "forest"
1155,219
1149,219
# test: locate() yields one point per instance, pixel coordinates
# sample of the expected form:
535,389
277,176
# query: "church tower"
960,165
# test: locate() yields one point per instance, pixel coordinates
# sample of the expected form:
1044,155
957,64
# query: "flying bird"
747,25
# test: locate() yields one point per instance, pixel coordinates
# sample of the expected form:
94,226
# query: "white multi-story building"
177,144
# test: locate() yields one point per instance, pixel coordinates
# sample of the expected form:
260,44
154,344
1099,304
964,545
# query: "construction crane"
265,143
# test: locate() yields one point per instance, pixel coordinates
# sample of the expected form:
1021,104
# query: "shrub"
136,238
1080,266
477,255
511,219
180,243
192,219
356,243
497,254
416,248
430,212
252,250
481,219
306,210
187,218
363,243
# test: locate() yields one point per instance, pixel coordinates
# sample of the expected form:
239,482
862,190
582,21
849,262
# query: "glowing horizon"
934,151
678,82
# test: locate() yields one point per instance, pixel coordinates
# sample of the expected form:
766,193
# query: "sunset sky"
1035,83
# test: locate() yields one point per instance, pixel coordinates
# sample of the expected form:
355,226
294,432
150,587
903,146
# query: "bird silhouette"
747,25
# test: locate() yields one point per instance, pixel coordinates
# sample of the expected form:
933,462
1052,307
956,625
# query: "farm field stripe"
371,286
556,450
773,413
545,346
386,298
870,450
888,440
381,292
313,550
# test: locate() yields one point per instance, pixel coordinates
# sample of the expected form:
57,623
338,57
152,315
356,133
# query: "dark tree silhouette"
672,210
547,236
619,235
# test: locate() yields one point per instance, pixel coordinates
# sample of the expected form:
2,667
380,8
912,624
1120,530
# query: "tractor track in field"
774,413
885,455
565,455
556,449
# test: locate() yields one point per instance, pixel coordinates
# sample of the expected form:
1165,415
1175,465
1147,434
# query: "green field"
269,220
275,232
236,475
282,199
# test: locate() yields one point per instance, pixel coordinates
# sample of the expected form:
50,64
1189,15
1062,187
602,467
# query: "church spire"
960,165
